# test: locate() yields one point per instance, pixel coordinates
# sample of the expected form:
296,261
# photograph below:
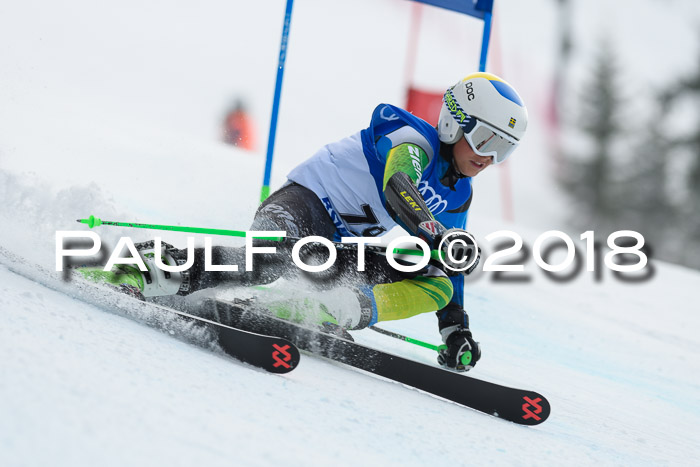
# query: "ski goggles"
485,140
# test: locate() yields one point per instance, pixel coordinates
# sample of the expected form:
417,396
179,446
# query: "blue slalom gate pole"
485,41
265,191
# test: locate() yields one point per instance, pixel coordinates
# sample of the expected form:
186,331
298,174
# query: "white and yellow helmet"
487,111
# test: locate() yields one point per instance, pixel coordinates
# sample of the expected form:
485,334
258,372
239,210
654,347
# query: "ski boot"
334,311
144,284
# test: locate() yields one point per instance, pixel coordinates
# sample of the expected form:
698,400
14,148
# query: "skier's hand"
431,231
460,352
458,251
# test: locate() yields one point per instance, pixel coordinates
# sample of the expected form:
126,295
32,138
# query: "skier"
398,171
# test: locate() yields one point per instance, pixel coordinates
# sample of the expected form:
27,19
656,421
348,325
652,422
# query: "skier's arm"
455,220
406,205
403,170
461,351
453,320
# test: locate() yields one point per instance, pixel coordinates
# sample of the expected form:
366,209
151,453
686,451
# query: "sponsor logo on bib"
434,201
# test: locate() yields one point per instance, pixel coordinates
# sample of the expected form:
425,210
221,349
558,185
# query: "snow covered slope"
111,109
89,387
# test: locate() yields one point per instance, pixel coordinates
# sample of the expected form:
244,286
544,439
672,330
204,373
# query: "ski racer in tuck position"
398,171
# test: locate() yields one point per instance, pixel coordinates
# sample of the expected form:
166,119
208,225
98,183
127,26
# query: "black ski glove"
457,251
460,352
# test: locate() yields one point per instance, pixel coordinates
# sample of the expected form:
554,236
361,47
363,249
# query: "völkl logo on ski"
286,356
535,404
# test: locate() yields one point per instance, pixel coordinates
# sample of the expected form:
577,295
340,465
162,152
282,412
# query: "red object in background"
239,129
425,105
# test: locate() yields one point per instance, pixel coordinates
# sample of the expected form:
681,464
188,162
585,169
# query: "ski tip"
535,409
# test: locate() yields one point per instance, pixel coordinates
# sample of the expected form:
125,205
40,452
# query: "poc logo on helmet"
470,91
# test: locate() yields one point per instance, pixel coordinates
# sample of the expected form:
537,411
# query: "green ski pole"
466,357
93,221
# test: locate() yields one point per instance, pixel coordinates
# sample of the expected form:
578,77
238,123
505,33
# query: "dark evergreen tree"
589,178
615,186
687,91
645,205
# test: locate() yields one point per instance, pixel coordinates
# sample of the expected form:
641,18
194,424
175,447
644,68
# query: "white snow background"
113,109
